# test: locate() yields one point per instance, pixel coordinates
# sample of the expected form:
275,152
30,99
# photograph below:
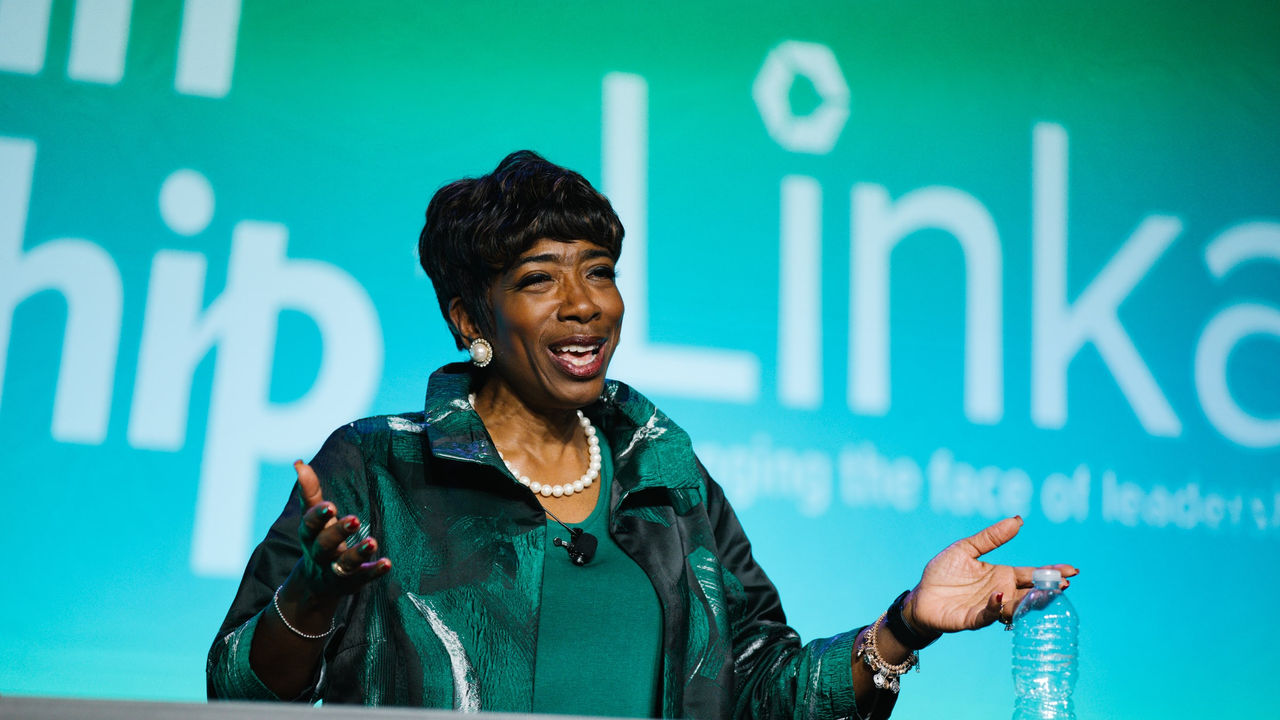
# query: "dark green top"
455,622
602,625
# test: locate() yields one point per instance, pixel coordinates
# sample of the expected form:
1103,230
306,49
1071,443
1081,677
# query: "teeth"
577,355
576,349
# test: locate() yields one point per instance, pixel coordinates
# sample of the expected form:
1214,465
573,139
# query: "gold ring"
339,570
1008,624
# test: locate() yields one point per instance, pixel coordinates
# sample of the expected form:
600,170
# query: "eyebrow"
552,257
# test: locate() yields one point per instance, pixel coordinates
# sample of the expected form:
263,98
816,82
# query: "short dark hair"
477,228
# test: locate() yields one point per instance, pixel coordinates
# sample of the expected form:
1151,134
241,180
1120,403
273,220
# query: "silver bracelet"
885,674
275,600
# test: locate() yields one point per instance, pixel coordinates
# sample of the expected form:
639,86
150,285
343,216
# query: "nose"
578,302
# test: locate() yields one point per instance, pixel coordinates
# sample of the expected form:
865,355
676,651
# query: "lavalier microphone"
581,545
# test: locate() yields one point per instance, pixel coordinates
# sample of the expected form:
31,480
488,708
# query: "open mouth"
579,357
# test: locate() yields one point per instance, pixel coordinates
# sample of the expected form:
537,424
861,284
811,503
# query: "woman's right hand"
329,568
286,652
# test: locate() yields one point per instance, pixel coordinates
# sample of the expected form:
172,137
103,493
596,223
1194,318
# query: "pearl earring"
481,352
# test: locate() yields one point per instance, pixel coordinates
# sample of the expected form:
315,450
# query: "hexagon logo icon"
816,132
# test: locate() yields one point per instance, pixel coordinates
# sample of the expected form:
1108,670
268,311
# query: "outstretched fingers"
315,520
1022,574
331,541
308,484
361,562
318,513
338,559
993,536
1066,569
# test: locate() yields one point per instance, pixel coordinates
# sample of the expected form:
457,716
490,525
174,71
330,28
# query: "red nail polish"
1000,597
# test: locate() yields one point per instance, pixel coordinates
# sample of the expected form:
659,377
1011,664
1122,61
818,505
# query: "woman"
422,559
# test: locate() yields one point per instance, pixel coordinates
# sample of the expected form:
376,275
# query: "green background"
343,118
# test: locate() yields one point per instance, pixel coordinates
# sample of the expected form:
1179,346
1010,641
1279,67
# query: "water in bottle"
1044,651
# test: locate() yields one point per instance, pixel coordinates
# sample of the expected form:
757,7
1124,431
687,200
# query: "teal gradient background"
342,119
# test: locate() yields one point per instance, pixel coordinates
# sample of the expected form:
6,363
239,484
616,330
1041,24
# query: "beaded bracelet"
275,600
886,674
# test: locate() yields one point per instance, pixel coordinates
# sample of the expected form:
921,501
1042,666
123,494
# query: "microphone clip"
581,545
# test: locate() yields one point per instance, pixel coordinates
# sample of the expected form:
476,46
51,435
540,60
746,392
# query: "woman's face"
557,315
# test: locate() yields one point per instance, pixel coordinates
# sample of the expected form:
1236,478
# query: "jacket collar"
454,430
649,449
644,438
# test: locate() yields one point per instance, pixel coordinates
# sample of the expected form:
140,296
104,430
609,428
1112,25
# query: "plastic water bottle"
1044,651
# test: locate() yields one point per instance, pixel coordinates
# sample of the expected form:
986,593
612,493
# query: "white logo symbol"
816,132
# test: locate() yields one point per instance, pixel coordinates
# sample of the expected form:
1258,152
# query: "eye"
532,279
604,271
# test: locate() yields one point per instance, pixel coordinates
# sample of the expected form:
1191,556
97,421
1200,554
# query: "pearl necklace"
567,489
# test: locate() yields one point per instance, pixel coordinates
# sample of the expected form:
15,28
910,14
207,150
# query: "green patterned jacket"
454,624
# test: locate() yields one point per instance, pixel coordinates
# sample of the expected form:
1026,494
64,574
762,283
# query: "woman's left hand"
958,591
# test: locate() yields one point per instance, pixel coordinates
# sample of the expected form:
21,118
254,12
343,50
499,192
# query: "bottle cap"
1046,575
